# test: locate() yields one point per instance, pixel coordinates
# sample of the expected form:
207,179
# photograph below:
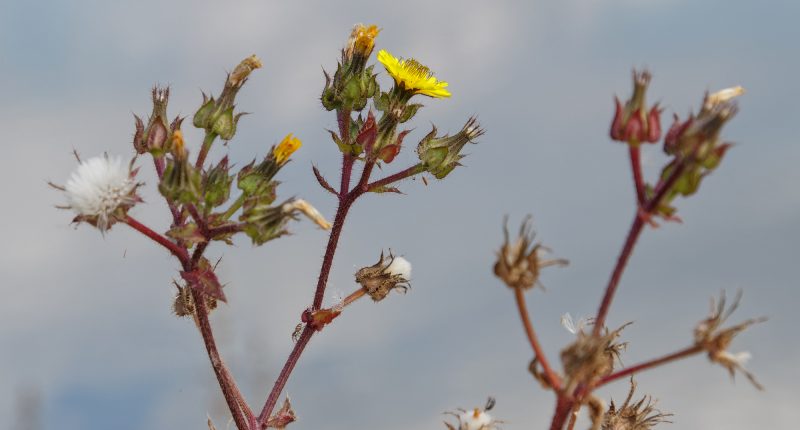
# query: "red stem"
636,168
563,409
633,235
551,376
403,174
283,377
694,349
176,250
233,397
346,199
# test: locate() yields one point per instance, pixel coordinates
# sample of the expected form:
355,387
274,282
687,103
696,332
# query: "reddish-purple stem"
283,377
694,349
636,168
233,397
176,250
633,235
403,174
552,377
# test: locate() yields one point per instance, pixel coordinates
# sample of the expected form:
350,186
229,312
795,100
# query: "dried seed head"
519,263
716,341
591,357
384,276
641,415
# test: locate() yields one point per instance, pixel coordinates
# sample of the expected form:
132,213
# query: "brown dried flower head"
519,263
641,415
591,357
384,276
709,335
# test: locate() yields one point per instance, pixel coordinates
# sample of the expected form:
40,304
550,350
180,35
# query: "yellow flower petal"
413,76
286,148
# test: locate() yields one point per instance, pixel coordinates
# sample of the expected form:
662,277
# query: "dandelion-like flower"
101,190
412,76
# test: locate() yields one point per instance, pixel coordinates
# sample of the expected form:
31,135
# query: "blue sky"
86,318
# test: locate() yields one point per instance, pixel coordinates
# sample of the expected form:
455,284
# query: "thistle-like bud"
216,116
387,274
154,138
257,178
641,415
440,155
353,84
181,181
520,263
715,340
264,222
101,191
634,123
217,184
696,145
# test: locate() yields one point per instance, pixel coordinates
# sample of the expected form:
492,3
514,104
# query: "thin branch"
241,412
636,169
551,375
399,176
283,377
686,352
176,250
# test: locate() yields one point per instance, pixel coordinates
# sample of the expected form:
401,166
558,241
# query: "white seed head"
401,267
99,186
737,358
571,326
475,420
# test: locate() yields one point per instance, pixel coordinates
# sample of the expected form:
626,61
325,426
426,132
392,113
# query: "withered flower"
384,276
641,415
715,341
519,263
591,357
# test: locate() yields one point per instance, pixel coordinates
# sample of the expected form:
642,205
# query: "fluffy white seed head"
98,187
475,420
401,267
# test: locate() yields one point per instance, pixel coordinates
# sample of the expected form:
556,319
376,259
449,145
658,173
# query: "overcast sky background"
85,321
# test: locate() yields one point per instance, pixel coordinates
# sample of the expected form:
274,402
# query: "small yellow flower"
362,40
412,76
178,145
286,148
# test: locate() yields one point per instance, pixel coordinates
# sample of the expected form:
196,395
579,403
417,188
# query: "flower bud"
353,84
384,276
633,123
216,115
440,155
181,181
154,138
256,178
217,184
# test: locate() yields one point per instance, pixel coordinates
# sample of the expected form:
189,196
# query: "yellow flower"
362,40
178,146
286,148
412,76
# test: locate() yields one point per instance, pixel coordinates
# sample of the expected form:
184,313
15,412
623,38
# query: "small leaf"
322,182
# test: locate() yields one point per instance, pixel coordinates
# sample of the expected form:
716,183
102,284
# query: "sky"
88,339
